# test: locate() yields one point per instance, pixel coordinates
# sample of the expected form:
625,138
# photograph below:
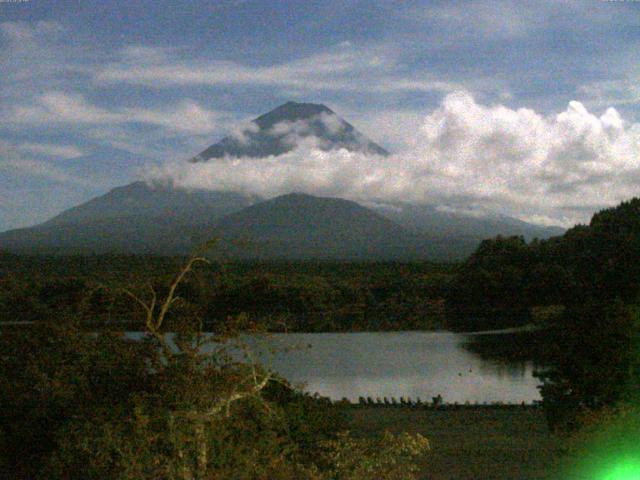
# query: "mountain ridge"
156,219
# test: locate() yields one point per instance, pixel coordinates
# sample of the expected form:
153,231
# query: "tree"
594,360
104,406
489,290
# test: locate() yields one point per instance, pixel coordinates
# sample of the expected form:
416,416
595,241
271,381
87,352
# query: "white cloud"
391,128
61,151
551,169
243,134
375,68
11,160
186,117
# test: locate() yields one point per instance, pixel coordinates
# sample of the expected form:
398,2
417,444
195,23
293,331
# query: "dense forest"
583,288
283,296
509,282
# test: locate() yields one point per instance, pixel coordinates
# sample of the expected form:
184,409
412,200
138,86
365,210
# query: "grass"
473,444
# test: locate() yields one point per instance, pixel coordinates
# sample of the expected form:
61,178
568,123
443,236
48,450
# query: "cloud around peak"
554,169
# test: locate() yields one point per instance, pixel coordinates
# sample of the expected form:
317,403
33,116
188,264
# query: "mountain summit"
285,127
161,219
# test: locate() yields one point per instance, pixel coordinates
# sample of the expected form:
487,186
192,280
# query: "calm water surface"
402,364
399,364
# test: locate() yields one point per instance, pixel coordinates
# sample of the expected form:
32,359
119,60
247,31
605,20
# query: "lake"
479,367
402,364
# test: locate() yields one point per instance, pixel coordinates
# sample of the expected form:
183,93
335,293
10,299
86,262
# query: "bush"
78,404
594,362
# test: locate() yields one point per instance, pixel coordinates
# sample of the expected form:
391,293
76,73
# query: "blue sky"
94,93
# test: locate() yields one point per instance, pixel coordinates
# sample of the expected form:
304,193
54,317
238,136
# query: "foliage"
102,406
296,297
52,372
593,362
385,458
506,277
502,282
582,288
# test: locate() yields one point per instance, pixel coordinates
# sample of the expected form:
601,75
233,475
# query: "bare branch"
170,296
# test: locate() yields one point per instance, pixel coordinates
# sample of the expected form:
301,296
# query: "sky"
530,109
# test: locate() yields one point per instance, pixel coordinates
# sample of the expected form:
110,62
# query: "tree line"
583,289
293,297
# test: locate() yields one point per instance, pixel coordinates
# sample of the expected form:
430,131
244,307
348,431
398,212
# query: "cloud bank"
55,107
15,159
333,69
464,156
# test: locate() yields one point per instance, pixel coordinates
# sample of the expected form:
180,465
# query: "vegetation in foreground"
80,405
150,407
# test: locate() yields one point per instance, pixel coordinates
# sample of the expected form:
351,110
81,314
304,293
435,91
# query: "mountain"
137,218
294,226
154,219
299,226
449,224
144,219
156,201
277,132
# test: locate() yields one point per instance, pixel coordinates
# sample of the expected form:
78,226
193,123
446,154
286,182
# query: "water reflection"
403,364
512,350
414,365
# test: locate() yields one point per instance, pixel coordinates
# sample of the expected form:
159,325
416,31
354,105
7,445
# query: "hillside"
429,219
501,283
299,226
136,219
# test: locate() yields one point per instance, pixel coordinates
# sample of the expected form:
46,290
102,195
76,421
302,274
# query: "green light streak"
608,448
625,470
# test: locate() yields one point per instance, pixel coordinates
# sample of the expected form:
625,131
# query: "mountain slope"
299,226
140,199
143,219
138,235
428,219
136,218
277,132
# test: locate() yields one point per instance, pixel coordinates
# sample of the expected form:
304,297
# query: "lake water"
460,367
401,364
